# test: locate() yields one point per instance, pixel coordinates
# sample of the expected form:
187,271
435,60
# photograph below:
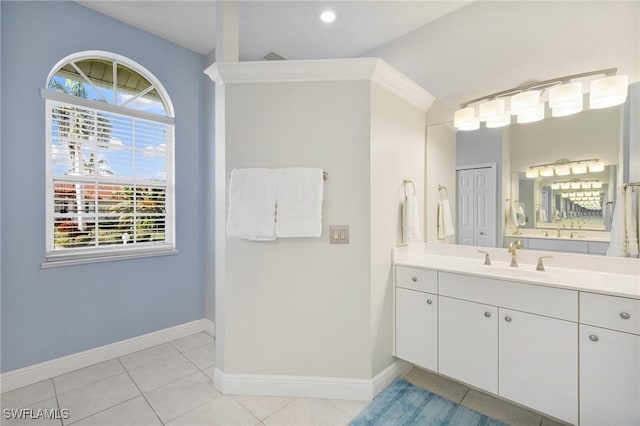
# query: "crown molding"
350,69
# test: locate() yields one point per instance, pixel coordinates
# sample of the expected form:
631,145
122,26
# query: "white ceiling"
290,28
455,50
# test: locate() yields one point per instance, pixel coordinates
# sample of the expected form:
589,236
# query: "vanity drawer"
559,245
598,247
616,313
417,279
537,299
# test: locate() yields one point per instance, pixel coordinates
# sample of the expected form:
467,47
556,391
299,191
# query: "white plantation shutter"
109,180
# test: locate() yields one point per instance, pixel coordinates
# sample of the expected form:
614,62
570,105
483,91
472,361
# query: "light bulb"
491,110
532,173
596,167
565,99
608,91
533,116
465,119
525,102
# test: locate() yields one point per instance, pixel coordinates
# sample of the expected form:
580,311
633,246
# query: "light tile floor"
171,384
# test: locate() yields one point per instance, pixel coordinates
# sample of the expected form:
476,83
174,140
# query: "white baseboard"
309,387
55,367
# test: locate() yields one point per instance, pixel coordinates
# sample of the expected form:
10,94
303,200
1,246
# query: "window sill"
71,260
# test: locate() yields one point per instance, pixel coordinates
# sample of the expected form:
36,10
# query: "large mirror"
544,204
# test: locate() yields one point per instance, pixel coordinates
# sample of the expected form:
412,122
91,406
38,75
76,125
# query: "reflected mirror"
582,202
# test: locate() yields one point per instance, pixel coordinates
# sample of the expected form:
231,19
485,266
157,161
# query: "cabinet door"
417,328
609,377
468,342
539,363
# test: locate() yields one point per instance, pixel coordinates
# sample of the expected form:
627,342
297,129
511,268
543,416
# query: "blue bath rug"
402,403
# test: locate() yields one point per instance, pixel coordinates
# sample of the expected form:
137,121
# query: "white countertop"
565,234
468,262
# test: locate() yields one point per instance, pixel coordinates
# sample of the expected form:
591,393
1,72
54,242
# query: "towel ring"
407,182
446,193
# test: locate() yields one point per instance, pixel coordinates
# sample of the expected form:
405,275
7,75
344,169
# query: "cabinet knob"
507,318
429,301
487,314
593,338
624,315
414,279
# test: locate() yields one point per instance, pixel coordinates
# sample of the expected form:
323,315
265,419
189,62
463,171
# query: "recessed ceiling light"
328,16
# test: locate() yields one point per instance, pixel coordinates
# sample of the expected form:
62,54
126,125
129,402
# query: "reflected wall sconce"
527,104
565,167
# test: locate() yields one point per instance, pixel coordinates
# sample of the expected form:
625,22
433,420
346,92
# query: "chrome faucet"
513,246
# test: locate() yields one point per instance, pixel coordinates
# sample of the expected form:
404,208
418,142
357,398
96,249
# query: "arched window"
110,145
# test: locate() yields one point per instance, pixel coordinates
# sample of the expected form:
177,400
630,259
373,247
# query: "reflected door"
476,206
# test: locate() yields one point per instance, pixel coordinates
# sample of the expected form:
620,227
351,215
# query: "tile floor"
171,384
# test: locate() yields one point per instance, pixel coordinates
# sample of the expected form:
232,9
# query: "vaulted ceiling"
455,50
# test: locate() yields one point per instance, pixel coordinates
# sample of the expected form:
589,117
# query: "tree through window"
110,138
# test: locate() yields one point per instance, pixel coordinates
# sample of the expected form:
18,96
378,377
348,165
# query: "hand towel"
521,218
631,224
447,221
439,222
510,217
299,202
252,204
411,220
618,244
607,215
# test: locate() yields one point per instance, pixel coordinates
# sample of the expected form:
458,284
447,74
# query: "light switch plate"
339,234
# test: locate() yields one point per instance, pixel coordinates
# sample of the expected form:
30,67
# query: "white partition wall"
301,316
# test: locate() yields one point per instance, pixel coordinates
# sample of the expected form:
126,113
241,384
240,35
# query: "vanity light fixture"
565,167
565,98
575,185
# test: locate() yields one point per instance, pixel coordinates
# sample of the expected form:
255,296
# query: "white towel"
252,204
299,202
630,217
411,220
618,244
447,221
521,218
606,212
510,217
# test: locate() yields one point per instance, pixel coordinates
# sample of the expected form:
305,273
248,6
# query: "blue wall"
48,313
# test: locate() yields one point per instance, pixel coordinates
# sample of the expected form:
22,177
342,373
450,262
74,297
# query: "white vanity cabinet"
609,360
416,316
539,363
468,342
417,327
